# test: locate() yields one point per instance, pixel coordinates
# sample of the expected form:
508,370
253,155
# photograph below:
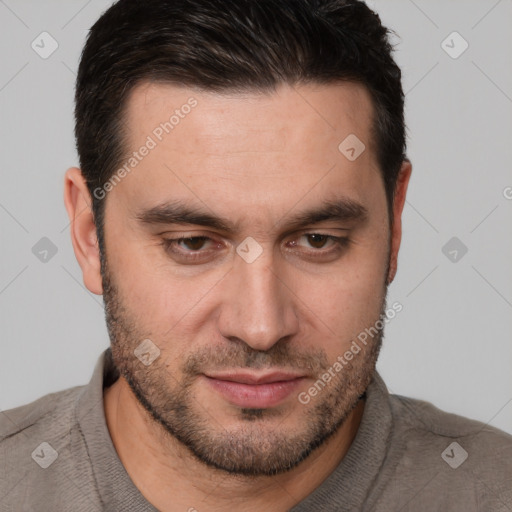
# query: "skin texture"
256,160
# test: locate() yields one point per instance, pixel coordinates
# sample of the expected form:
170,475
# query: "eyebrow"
177,212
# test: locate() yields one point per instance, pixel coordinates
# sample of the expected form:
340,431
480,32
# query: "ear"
398,206
83,230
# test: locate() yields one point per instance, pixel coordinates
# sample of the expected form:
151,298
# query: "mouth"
253,390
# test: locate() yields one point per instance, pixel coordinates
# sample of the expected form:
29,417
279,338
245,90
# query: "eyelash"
170,244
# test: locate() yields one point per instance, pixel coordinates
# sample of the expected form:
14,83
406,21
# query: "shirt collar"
350,482
348,486
115,487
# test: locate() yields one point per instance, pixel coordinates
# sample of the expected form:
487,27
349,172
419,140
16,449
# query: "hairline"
99,205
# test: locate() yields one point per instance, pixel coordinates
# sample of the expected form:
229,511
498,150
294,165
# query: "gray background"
450,345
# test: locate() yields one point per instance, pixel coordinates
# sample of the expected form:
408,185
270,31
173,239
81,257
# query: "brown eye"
319,247
194,243
190,247
317,241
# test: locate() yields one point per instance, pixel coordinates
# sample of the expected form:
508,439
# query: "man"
239,204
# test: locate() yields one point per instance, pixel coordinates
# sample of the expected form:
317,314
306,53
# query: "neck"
172,479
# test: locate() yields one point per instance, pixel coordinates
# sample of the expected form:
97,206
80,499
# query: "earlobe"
83,229
398,206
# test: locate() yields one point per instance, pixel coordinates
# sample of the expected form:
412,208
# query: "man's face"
243,333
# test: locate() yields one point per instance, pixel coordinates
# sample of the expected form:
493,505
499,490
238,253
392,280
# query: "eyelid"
296,234
178,239
338,242
191,256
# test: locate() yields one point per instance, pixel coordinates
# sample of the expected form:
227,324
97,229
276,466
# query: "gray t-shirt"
56,455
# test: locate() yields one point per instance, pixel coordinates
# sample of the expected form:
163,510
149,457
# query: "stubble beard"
257,446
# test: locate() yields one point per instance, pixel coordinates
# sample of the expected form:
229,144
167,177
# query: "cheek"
336,303
346,301
164,303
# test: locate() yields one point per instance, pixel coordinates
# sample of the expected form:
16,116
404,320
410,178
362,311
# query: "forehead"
325,110
275,147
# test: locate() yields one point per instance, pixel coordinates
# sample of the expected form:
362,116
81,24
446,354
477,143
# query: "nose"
258,307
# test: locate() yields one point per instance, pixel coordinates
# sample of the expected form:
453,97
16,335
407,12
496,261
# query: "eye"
317,240
190,248
201,249
194,243
320,241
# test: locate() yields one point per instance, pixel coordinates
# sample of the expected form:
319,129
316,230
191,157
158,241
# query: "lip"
255,390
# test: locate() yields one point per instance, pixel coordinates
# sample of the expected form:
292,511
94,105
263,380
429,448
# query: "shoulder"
40,445
459,457
426,420
51,413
